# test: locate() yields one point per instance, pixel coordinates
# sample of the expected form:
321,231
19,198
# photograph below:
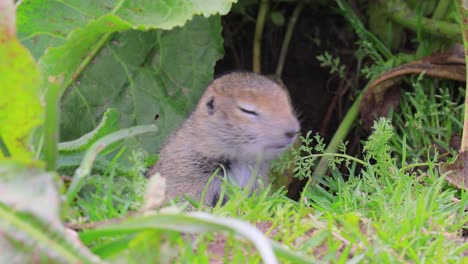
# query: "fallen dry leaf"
383,93
457,172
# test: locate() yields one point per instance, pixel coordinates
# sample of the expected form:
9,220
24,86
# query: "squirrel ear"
210,106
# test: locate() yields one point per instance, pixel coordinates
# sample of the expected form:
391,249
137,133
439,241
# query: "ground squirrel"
242,121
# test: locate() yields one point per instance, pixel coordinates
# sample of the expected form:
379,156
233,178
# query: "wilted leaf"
457,172
30,225
20,108
379,97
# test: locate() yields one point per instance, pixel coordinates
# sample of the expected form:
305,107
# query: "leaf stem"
336,155
415,165
257,45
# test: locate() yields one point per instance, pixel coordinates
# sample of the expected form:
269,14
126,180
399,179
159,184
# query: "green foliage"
404,215
429,120
393,206
305,156
108,195
130,56
377,149
105,68
87,162
328,61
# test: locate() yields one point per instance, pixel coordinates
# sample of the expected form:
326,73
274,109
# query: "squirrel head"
247,115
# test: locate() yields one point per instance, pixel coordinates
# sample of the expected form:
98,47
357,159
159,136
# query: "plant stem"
336,155
399,12
4,148
338,137
257,45
415,165
462,10
287,38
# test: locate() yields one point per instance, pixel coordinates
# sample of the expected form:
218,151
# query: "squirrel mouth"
278,146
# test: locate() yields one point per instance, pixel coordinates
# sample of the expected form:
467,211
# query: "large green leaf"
165,78
20,108
30,227
99,52
72,27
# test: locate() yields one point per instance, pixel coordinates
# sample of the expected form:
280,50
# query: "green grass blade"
195,222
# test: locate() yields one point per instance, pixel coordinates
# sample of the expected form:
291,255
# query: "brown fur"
219,132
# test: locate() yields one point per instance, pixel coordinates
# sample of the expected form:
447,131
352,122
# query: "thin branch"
287,38
257,45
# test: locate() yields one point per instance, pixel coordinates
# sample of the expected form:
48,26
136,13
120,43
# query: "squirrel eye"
250,112
210,105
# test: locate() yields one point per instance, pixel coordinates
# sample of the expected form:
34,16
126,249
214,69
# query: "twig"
287,38
340,156
344,86
257,45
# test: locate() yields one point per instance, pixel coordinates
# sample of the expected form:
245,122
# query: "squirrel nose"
291,134
294,129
